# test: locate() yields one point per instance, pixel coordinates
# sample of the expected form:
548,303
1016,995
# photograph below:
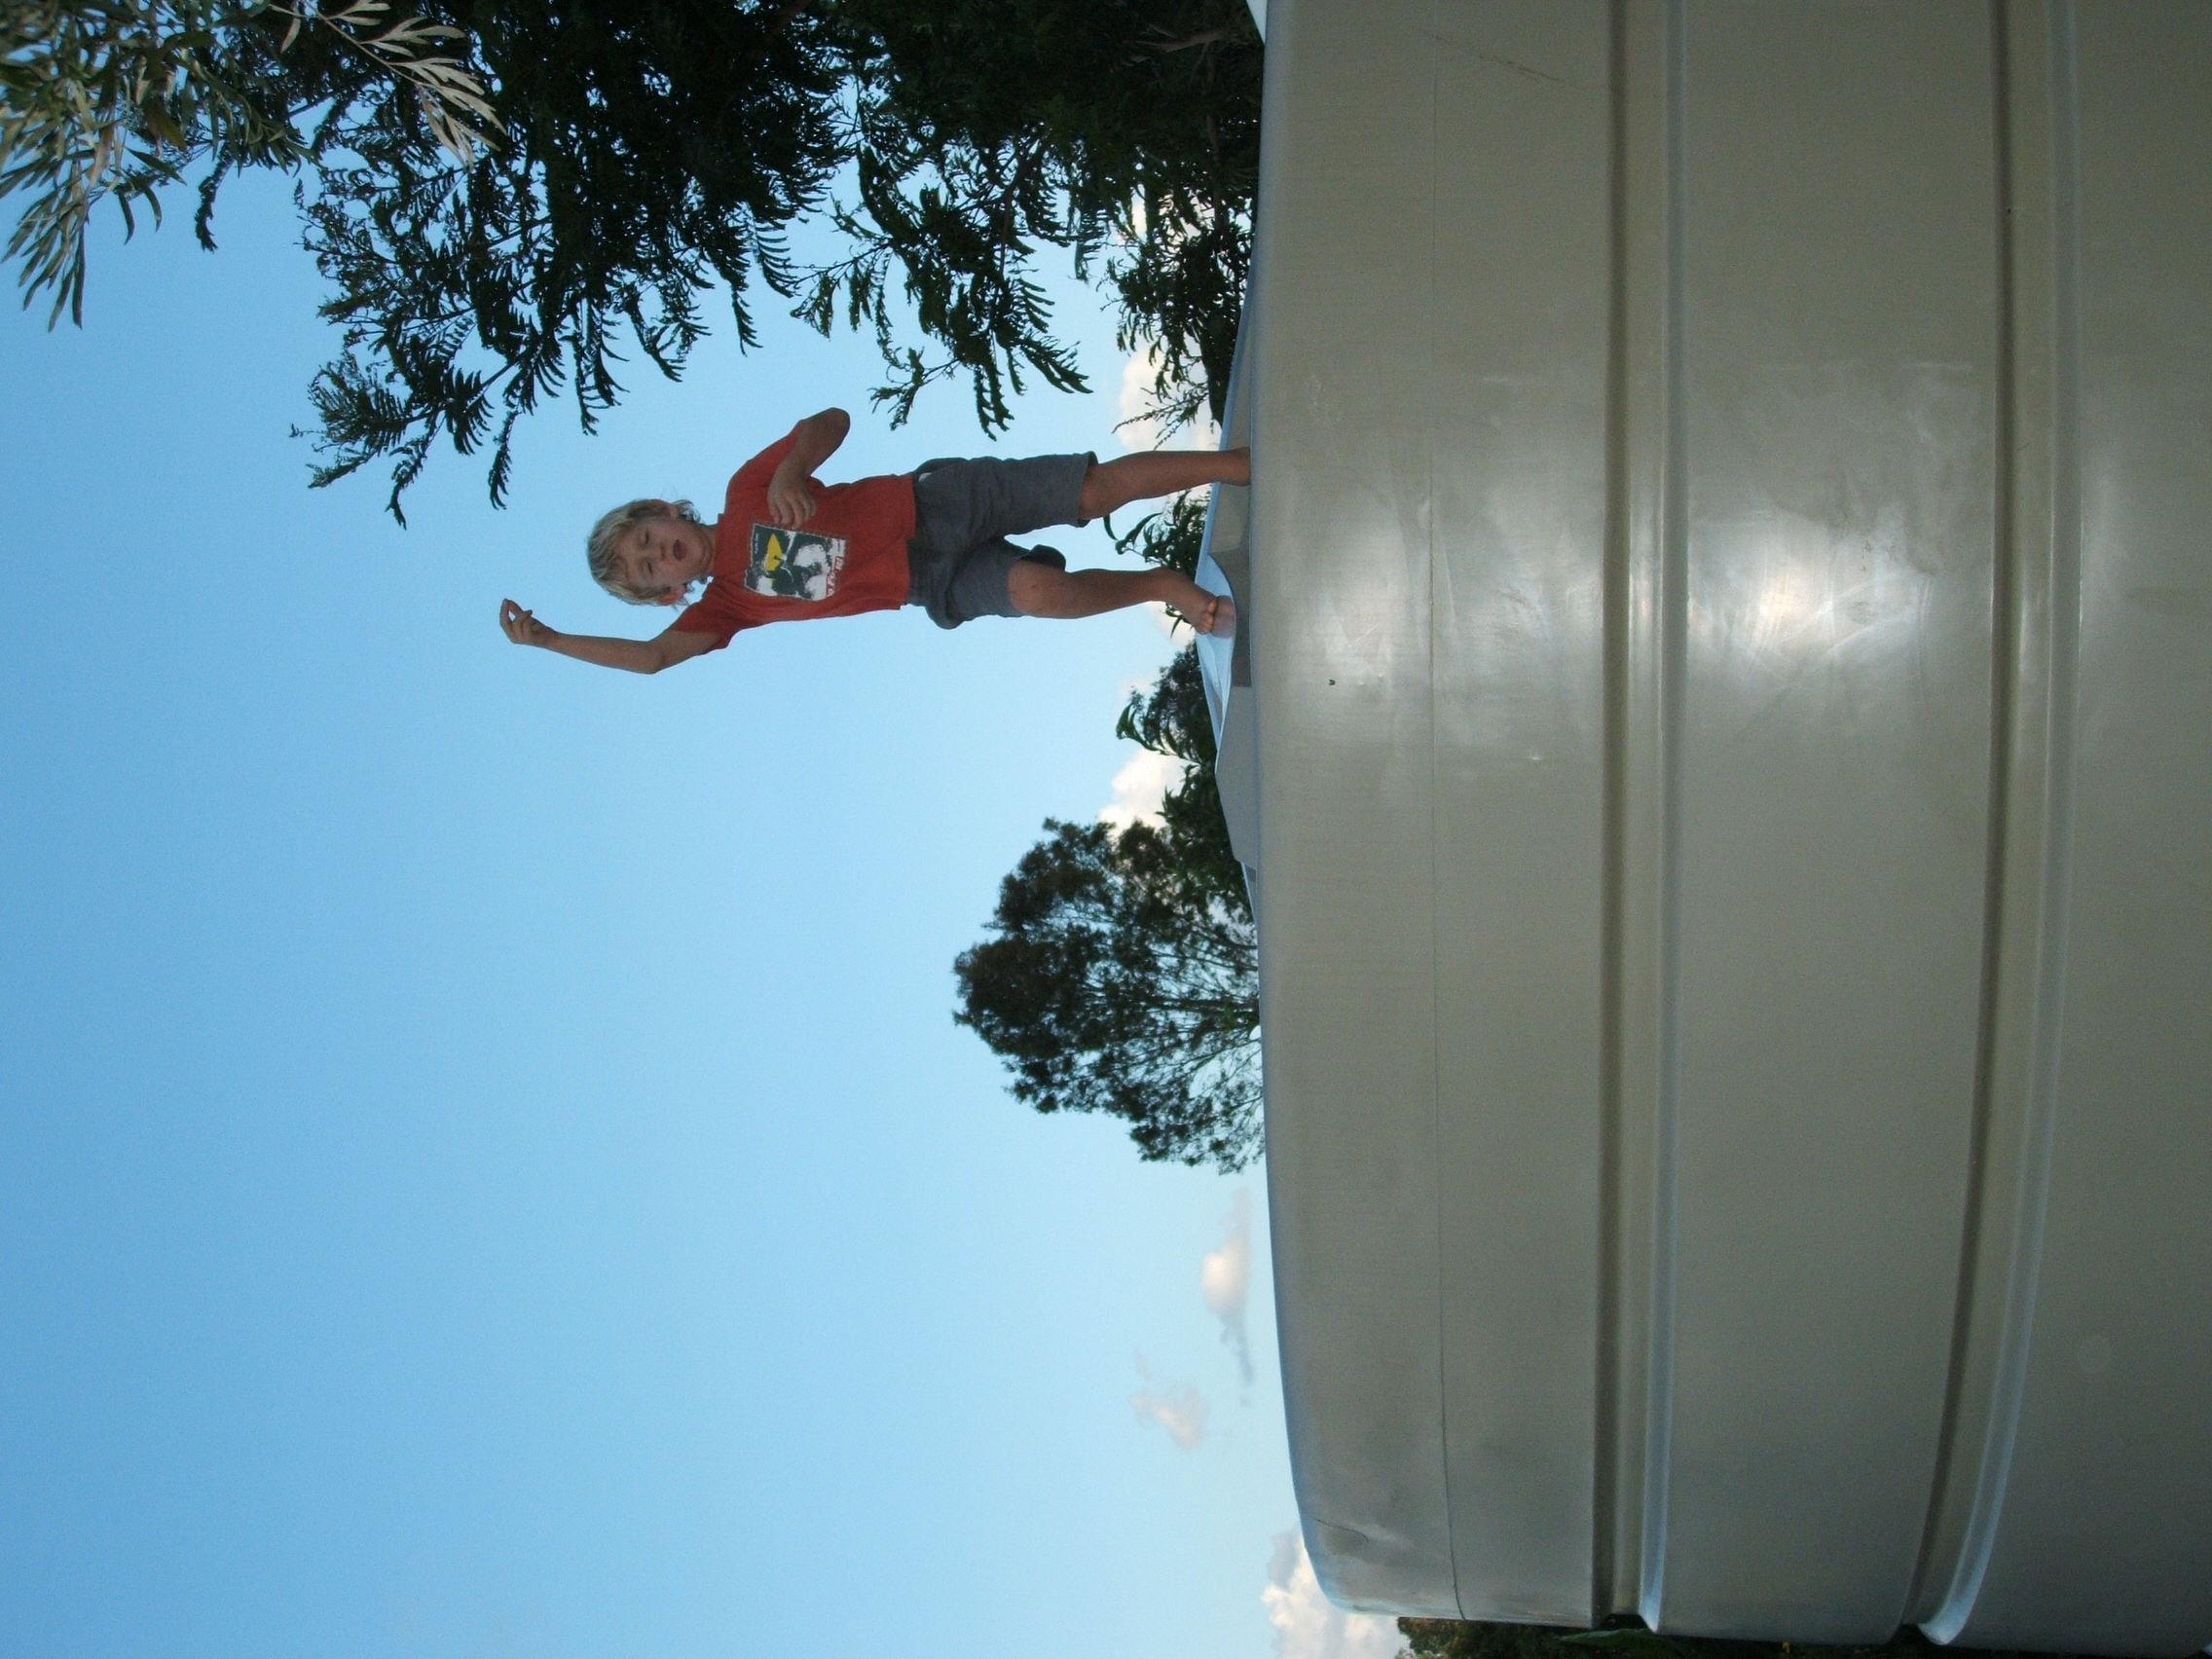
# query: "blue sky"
487,1167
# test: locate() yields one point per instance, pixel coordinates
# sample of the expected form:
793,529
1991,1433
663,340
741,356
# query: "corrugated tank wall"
1729,623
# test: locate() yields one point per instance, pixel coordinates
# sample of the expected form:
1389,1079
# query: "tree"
1173,720
1123,974
1115,985
1123,131
650,152
1471,1638
113,99
645,154
637,155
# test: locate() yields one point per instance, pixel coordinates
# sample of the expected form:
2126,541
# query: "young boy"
789,547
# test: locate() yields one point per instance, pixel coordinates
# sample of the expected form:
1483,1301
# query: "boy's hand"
814,440
522,627
791,503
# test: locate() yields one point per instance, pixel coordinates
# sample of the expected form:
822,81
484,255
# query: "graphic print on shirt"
795,563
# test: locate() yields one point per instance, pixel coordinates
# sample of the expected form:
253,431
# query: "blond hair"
604,546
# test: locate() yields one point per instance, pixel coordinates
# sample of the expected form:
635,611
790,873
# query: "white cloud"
1139,787
1135,431
1226,1275
1170,625
1183,1415
1177,1406
1140,434
1308,1624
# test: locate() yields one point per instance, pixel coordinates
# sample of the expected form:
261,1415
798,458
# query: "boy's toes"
1221,617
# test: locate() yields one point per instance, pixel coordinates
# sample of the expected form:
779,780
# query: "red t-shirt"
849,556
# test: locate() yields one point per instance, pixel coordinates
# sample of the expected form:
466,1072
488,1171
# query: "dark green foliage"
1121,130
1113,984
650,151
1174,535
1172,719
639,154
1123,974
1456,1639
114,99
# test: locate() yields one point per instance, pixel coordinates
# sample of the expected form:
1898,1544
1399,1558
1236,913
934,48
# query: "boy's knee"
1033,588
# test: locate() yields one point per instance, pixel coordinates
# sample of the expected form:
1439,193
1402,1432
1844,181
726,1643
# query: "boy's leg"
1039,590
1112,484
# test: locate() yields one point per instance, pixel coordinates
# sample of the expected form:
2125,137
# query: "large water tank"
1722,736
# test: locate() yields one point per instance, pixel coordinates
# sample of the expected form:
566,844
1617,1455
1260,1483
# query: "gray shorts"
964,511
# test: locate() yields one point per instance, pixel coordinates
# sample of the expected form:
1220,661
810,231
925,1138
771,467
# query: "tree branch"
776,26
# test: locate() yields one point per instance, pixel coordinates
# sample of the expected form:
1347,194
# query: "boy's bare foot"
1217,615
1039,589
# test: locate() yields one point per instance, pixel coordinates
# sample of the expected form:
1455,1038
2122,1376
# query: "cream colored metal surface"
2089,1475
1838,333
1225,566
1729,625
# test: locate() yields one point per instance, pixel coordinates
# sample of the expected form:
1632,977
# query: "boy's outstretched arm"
640,657
791,503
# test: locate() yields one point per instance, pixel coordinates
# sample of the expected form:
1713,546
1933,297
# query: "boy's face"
664,556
